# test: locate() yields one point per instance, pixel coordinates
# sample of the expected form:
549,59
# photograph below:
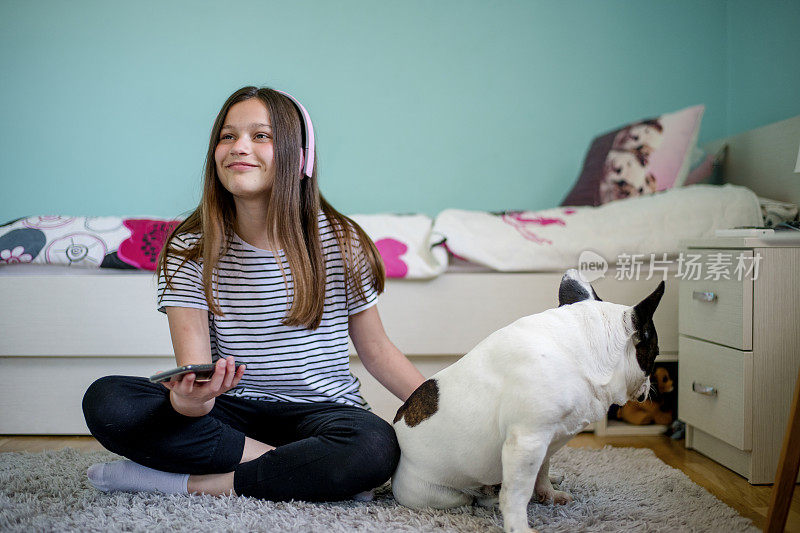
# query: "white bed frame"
61,331
64,331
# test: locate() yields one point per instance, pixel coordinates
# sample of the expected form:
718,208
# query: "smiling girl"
266,273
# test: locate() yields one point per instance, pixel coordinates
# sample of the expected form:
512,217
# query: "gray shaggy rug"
615,489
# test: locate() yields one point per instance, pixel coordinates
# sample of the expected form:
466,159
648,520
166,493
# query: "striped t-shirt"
284,363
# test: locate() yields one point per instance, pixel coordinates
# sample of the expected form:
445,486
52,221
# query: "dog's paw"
489,502
561,498
558,497
488,496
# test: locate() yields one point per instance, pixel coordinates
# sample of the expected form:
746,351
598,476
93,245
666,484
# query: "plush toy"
658,408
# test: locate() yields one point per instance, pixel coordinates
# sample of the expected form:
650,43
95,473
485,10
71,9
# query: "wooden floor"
749,500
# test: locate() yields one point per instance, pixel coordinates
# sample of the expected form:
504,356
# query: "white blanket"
408,248
553,239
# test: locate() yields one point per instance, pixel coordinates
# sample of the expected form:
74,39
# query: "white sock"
366,496
128,476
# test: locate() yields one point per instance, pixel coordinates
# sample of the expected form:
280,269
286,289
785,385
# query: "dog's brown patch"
422,404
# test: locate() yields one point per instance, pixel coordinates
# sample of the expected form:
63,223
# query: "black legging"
324,451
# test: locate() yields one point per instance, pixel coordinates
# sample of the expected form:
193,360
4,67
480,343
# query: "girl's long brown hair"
292,215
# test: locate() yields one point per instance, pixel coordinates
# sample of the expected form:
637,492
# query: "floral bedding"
417,247
404,242
85,242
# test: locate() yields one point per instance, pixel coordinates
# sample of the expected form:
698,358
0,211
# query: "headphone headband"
307,164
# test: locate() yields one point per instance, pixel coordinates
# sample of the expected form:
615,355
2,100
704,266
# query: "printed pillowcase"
640,158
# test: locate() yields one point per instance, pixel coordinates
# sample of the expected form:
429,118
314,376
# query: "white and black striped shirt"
284,363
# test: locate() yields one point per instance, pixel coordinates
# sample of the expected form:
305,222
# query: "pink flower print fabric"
147,238
17,255
525,223
391,251
20,245
406,243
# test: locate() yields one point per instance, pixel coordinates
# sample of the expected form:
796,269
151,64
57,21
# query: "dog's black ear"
645,338
574,289
645,309
594,295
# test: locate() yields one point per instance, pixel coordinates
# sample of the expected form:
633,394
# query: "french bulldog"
498,414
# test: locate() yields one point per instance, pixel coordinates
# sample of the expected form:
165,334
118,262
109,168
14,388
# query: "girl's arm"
192,345
188,328
380,357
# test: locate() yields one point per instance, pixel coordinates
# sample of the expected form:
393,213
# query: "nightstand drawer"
721,310
715,390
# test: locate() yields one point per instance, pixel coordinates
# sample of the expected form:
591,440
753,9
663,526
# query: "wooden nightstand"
739,351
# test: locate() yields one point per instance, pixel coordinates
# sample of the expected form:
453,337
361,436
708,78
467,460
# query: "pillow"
776,213
707,168
639,158
407,246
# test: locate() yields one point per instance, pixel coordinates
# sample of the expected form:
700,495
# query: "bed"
61,328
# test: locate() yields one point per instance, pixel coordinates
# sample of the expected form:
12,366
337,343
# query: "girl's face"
244,153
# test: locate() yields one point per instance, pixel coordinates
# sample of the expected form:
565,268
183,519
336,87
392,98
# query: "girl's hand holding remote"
191,398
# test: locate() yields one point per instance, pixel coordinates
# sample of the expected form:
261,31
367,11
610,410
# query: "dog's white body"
510,403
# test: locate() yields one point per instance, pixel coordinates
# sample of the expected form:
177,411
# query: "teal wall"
418,105
763,62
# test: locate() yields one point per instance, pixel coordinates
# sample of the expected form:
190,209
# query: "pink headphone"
307,155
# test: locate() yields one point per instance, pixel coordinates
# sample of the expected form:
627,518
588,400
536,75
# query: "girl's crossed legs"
323,451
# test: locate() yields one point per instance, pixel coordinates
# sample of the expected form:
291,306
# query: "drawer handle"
704,296
702,389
